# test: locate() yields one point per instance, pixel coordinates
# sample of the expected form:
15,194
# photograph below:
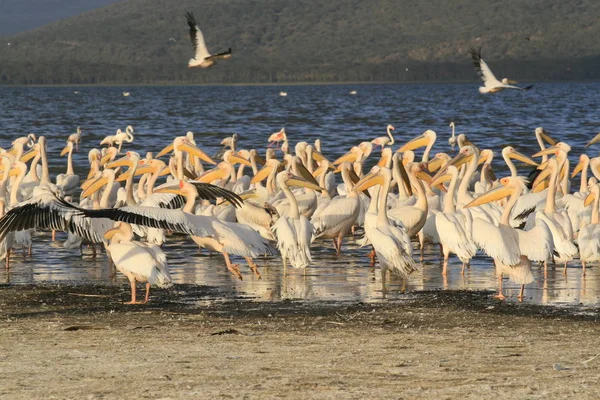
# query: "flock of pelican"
249,206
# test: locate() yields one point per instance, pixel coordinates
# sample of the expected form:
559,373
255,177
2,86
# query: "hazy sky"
20,15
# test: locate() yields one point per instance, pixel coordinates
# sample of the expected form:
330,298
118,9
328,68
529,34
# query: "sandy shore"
59,342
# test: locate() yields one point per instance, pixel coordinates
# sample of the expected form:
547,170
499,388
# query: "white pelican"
228,237
454,227
202,58
122,137
426,139
490,83
353,92
594,140
452,139
541,135
75,138
511,249
337,217
391,243
277,137
283,94
138,261
385,140
294,231
68,182
126,94
589,236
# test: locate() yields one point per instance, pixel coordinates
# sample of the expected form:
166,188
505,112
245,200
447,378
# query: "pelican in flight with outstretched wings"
490,83
202,58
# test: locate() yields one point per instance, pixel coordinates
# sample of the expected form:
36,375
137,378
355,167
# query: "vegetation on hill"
146,41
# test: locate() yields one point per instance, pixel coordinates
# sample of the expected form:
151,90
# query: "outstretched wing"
485,73
197,38
206,191
224,55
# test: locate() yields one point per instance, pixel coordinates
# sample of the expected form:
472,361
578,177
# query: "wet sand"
65,341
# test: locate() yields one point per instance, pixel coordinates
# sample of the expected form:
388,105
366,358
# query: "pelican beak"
174,188
434,164
305,174
124,176
110,233
578,169
249,195
595,140
541,176
64,151
493,195
121,162
146,168
424,176
366,182
550,140
539,187
589,199
29,155
94,186
236,158
383,162
13,172
212,175
195,151
322,170
259,160
262,174
165,171
518,156
164,151
317,156
12,151
106,158
461,159
439,180
349,156
419,141
550,150
299,181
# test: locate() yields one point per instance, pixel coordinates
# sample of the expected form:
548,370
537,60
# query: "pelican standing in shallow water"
75,138
452,139
138,261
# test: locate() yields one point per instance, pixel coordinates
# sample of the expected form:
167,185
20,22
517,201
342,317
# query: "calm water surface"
569,111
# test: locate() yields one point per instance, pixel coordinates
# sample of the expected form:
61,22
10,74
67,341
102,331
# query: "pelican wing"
47,211
485,73
161,218
224,55
206,191
499,242
536,243
197,38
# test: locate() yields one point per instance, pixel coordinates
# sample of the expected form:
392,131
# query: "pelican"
385,140
75,138
594,140
426,139
138,261
121,137
294,231
490,83
68,182
589,236
126,94
512,249
202,58
283,94
277,137
390,242
452,139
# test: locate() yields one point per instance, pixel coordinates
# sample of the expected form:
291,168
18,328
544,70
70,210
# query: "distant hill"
144,41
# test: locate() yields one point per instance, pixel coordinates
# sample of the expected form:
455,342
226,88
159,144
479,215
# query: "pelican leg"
500,296
421,242
445,267
253,267
53,235
147,293
338,248
462,271
583,265
8,259
521,292
234,268
371,255
93,252
133,293
30,249
565,269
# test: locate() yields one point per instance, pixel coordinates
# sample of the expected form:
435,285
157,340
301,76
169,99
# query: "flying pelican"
391,243
138,261
75,138
202,58
490,83
385,140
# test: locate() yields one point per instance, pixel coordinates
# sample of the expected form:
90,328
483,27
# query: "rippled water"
567,110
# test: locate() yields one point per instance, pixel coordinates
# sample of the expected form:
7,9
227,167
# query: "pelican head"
426,139
510,152
68,149
286,178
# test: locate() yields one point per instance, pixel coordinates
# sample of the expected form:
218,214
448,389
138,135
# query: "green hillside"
311,40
